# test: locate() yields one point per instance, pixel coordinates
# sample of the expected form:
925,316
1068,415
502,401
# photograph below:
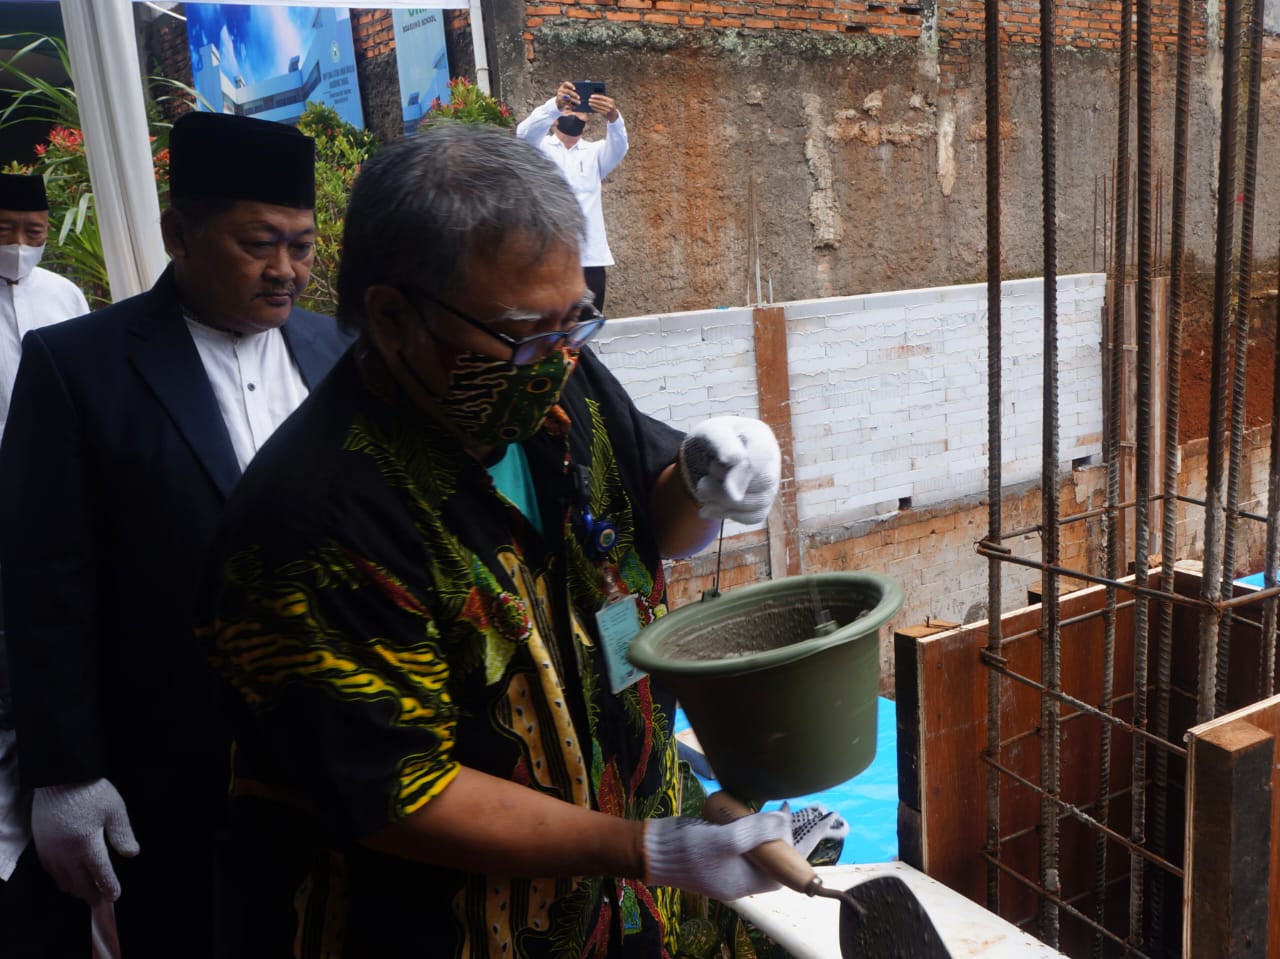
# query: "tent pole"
478,46
108,82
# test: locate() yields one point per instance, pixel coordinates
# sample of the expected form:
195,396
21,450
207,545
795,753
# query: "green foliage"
39,100
75,246
468,104
341,149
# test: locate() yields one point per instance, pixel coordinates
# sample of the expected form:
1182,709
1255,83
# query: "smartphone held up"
586,88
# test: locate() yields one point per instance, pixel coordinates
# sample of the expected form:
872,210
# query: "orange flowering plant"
468,104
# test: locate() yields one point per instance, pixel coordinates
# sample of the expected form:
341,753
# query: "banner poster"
421,61
268,61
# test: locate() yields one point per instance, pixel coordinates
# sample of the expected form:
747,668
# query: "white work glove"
812,824
71,826
699,856
732,465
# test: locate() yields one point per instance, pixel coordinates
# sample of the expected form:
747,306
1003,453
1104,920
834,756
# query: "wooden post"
1228,841
773,384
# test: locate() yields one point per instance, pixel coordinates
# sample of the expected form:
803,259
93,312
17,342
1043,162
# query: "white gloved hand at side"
732,466
702,857
72,826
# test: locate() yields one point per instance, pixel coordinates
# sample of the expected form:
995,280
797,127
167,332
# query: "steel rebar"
1051,639
1145,253
1214,517
1169,507
1240,314
995,602
1113,441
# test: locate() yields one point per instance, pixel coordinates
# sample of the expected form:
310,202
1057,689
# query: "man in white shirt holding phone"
583,163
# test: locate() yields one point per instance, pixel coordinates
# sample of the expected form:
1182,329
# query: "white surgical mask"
17,260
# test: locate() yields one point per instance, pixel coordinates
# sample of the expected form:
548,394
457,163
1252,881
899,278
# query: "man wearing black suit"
128,429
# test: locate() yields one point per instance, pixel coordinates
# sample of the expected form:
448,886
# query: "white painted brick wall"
888,390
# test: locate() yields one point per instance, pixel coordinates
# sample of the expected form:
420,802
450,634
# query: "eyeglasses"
531,348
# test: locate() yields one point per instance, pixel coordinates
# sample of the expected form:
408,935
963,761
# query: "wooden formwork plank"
944,735
1232,898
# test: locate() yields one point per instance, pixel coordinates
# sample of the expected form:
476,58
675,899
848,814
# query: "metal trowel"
879,919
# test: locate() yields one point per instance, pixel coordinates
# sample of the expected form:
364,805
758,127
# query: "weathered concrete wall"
845,162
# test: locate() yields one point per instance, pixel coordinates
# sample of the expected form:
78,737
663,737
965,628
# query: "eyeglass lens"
573,338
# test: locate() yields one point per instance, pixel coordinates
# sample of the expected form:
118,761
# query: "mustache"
284,289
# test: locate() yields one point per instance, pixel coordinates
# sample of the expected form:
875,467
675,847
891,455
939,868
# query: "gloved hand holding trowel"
706,858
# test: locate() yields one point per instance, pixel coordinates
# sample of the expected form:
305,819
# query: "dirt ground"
1197,358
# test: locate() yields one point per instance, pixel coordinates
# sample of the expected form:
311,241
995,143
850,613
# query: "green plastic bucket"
781,705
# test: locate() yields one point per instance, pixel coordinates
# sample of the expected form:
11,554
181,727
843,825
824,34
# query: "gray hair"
422,208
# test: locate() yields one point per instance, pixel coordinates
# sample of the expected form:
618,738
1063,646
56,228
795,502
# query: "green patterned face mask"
493,401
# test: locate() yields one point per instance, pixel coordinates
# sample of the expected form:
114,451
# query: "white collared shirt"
584,166
42,299
254,379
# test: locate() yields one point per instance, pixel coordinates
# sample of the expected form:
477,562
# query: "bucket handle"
714,591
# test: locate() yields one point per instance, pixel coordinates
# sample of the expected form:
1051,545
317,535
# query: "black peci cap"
22,192
227,157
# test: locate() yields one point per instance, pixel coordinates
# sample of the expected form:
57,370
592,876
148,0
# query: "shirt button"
252,387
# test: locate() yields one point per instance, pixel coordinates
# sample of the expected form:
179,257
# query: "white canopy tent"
108,83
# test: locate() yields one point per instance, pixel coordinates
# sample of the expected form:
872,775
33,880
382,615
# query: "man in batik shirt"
436,755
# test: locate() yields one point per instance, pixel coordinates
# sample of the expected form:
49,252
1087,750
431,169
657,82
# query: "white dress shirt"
42,299
254,379
584,166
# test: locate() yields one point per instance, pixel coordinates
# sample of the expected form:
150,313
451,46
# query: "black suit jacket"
114,467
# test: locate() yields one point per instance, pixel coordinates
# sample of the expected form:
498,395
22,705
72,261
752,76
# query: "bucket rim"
643,655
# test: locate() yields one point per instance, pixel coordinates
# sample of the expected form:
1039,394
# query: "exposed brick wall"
1080,24
169,56
372,34
373,40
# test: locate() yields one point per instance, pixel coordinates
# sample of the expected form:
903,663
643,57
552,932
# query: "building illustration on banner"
421,62
268,61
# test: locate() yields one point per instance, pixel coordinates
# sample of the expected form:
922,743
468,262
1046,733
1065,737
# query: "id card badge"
618,622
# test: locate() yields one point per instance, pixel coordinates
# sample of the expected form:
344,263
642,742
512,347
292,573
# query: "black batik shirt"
383,615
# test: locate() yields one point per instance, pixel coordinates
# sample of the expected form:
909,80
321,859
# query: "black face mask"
571,126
